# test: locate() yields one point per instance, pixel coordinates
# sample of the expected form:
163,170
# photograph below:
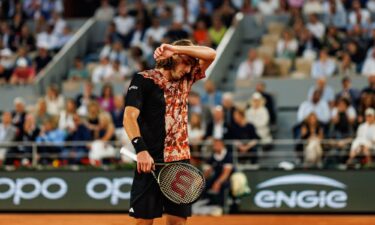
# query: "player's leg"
143,221
175,220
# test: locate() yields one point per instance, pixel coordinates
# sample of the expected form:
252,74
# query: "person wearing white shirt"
66,121
287,46
48,37
105,12
316,105
365,139
316,27
102,71
324,66
155,33
251,68
118,72
312,6
124,22
327,91
58,24
268,7
368,68
359,13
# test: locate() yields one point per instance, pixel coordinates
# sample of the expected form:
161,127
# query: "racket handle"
128,153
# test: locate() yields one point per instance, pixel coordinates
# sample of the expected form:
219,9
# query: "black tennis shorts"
148,202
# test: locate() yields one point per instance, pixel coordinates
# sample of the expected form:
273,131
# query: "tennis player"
155,120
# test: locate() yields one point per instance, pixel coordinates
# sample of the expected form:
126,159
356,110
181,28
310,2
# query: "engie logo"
16,188
301,199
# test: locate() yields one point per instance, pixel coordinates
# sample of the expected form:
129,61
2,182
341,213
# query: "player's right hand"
145,162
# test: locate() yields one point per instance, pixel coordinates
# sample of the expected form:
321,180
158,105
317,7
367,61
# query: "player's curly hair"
170,63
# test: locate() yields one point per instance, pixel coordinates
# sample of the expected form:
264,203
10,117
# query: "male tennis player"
155,120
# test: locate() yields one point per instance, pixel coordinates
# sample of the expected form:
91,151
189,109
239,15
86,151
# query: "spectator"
106,100
200,34
218,171
66,116
7,38
343,119
78,132
92,119
271,68
312,7
119,72
19,113
141,12
366,101
245,135
217,128
100,149
54,100
371,5
182,13
324,66
270,103
115,52
369,65
348,92
226,12
312,131
117,118
346,66
163,11
196,133
78,72
26,39
308,45
41,113
196,106
55,137
102,71
58,23
6,65
124,24
7,133
317,105
251,68
334,14
328,94
370,89
316,27
365,139
105,12
216,31
228,107
175,32
22,74
358,15
356,54
48,37
64,38
17,22
155,33
43,57
333,41
268,7
137,35
211,97
287,46
258,115
83,100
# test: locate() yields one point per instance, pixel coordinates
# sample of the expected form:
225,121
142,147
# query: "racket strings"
181,183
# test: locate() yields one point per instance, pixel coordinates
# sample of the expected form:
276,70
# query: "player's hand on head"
163,52
145,163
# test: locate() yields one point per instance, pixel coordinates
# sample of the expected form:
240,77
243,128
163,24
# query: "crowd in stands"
31,32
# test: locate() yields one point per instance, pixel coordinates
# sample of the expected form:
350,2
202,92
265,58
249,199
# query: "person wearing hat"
6,65
365,139
22,74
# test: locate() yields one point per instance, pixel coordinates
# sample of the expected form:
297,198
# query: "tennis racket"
181,183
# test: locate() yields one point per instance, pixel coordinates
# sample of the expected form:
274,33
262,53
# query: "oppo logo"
112,188
16,188
302,199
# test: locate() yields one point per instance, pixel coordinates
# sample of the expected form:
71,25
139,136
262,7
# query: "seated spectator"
334,14
370,89
23,54
54,100
366,101
49,37
308,45
79,71
64,38
246,137
196,106
343,119
17,22
346,66
117,118
43,57
106,100
22,74
317,105
359,15
26,39
124,24
328,94
58,23
155,33
270,103
7,37
368,68
217,128
40,112
251,68
348,92
78,132
105,12
111,35
211,97
19,113
313,132
316,27
101,72
324,66
8,133
92,118
312,7
217,172
66,116
217,31
365,140
137,35
115,52
268,7
83,100
119,72
333,41
287,46
228,107
196,133
258,116
271,68
6,65
356,54
50,134
200,33
183,14
100,149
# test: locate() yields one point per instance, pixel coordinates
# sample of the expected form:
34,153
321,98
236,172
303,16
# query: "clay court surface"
118,219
